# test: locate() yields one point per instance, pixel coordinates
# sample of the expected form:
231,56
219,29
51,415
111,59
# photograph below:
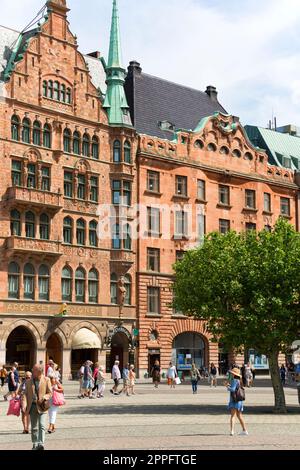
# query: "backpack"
239,394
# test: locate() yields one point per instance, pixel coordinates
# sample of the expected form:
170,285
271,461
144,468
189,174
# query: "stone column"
40,356
2,354
66,364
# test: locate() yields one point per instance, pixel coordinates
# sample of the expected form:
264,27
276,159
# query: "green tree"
247,288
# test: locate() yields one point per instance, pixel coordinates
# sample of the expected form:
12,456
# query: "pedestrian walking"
236,402
80,379
36,402
50,368
52,412
88,382
13,382
155,373
116,376
248,375
213,375
283,374
171,375
125,374
95,376
101,382
3,375
132,377
195,377
21,392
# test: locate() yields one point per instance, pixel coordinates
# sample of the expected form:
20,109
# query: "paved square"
163,419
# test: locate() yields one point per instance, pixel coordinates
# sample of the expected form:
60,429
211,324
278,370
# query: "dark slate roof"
152,100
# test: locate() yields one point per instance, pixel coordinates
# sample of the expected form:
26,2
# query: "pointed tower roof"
115,101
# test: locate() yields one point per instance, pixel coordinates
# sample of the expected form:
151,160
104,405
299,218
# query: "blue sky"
248,49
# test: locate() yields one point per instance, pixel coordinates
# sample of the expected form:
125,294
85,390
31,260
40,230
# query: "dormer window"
57,91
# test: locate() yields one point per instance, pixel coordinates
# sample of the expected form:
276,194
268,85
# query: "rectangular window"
181,224
181,186
267,202
16,173
94,189
285,206
81,190
127,193
31,177
224,195
153,259
153,183
153,221
201,190
116,192
68,184
153,295
250,226
224,226
45,178
201,228
250,200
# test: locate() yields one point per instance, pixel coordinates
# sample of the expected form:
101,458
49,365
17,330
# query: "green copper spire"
115,101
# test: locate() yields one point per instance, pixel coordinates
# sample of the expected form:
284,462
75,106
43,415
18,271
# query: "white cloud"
249,49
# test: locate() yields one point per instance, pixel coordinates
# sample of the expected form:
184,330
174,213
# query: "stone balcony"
30,248
122,258
21,196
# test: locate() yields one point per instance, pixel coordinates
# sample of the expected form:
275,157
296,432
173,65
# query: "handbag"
58,398
177,381
239,394
14,407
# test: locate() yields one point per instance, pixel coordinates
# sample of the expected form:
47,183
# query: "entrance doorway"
54,350
189,348
223,360
85,346
119,350
20,348
152,358
79,357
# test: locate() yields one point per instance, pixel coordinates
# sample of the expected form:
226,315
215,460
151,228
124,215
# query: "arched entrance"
189,348
119,350
85,346
54,349
20,348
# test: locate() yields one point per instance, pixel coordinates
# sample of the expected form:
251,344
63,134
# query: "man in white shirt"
116,376
50,368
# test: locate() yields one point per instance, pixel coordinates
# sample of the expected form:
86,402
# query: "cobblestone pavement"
163,419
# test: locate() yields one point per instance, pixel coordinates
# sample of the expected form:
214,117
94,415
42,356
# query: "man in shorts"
116,376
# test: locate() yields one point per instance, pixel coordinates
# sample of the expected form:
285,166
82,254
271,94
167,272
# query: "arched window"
26,131
80,232
13,281
116,241
76,143
68,230
114,289
50,89
15,128
117,151
45,88
127,237
95,147
47,136
56,92
44,227
66,284
30,225
67,141
127,285
69,96
86,145
15,223
80,285
93,233
127,152
93,286
28,280
36,133
44,279
63,93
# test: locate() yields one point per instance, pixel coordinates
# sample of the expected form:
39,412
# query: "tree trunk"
280,405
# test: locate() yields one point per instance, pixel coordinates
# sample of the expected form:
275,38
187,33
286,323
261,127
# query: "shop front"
189,348
86,345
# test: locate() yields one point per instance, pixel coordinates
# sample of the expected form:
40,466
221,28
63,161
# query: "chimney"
96,54
134,68
211,91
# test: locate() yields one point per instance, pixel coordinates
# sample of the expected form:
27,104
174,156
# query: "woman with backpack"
237,397
195,377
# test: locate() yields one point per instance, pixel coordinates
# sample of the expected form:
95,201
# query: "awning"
86,339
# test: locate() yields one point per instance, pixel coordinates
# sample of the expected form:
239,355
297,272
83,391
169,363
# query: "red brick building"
72,141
